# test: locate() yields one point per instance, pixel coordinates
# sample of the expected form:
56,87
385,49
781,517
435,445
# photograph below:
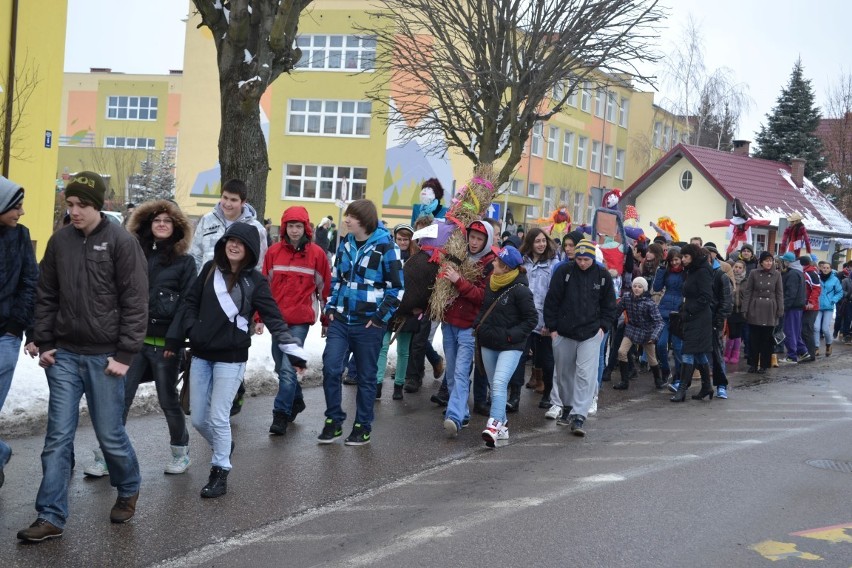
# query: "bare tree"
254,46
835,130
478,74
14,108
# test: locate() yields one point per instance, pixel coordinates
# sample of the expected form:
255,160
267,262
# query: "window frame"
313,53
357,117
568,145
595,157
552,143
357,186
132,104
582,149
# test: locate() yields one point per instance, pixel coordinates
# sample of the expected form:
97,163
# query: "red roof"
763,186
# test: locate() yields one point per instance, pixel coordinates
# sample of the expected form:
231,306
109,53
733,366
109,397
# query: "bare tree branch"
27,80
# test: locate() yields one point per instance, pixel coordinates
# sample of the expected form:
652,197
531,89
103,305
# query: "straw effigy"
469,205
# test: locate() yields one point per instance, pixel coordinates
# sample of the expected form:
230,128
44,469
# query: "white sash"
226,302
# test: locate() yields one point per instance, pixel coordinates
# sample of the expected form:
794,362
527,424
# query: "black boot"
217,484
659,381
279,423
607,374
379,390
514,400
397,392
624,368
685,380
706,386
441,398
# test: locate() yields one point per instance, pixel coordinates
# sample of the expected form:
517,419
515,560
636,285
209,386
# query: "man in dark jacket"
90,320
722,305
18,279
579,309
813,289
793,279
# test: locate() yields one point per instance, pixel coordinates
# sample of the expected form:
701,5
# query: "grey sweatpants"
576,366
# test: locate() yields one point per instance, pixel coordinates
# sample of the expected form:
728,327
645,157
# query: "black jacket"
580,302
723,300
510,323
696,311
794,289
18,281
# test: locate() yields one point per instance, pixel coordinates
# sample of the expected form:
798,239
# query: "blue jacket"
18,280
832,292
539,275
673,297
366,282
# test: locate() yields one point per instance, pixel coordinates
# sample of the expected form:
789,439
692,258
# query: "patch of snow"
241,83
247,57
217,4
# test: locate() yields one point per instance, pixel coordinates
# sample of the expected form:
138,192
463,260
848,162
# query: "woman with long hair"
669,281
736,321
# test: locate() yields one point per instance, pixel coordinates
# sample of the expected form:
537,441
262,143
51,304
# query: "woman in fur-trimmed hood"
140,225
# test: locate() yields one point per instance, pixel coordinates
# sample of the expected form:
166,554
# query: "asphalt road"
721,483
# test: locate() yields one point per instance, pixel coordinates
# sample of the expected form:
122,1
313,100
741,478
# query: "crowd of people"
108,308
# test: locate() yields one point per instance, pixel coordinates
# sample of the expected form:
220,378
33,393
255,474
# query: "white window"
658,134
590,210
586,97
667,134
619,164
568,148
131,108
610,107
578,215
558,91
572,98
537,139
599,102
515,187
552,143
582,148
532,212
323,182
607,160
675,136
532,190
329,118
548,198
125,142
336,52
595,166
563,196
623,112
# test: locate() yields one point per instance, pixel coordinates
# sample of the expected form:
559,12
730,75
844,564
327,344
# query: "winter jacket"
813,288
299,276
464,309
510,323
366,282
539,275
18,280
794,288
169,282
831,292
212,226
672,282
215,337
644,322
697,311
320,237
846,284
92,293
763,297
723,301
579,302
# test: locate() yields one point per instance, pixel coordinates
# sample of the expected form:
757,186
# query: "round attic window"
686,180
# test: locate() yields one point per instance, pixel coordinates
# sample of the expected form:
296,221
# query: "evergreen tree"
791,126
156,179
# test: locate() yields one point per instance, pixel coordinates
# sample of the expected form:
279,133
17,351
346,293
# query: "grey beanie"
11,194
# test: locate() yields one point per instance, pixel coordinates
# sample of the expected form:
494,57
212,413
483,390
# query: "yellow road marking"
774,550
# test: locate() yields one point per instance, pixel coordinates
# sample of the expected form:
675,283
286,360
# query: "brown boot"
123,509
539,387
828,350
535,379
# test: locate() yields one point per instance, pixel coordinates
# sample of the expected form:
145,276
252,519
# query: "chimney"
797,171
100,70
741,147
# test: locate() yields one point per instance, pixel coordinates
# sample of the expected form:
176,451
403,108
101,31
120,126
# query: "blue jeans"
289,388
822,325
165,374
365,344
68,379
212,388
696,359
663,349
602,359
499,367
9,347
458,357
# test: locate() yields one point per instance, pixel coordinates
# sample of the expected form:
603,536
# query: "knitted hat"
574,236
585,248
89,186
747,246
402,227
711,246
10,195
642,282
510,256
788,257
764,255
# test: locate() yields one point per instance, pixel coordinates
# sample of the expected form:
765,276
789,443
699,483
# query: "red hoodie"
300,277
464,309
813,287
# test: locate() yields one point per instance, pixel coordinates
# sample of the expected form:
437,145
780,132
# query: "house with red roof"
695,185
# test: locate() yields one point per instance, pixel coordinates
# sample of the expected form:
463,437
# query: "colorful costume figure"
559,222
667,229
739,226
795,236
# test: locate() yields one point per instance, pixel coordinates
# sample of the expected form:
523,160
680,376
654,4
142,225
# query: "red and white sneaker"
491,432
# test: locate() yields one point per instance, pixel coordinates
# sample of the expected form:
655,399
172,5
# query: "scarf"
676,269
738,282
429,209
226,302
824,277
503,280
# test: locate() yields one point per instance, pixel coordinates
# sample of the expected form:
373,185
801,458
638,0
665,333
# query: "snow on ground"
25,410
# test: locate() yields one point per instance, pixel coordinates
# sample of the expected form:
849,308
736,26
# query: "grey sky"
758,39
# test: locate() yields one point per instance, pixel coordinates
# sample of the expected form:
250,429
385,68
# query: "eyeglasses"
162,221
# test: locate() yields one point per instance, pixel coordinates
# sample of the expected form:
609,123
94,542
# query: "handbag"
778,334
675,325
477,349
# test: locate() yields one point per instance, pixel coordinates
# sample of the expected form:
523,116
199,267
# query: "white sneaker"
451,428
99,467
554,412
180,460
492,429
593,409
503,433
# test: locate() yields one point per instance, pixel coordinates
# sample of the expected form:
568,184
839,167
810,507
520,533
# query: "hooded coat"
299,276
697,310
464,309
18,273
644,322
215,337
831,293
212,226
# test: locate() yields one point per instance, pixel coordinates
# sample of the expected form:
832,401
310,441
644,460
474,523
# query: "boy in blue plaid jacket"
366,287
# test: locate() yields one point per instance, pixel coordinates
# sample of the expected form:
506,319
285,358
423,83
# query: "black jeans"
808,322
720,377
150,363
762,346
542,358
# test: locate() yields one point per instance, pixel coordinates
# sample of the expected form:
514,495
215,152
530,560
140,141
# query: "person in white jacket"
232,208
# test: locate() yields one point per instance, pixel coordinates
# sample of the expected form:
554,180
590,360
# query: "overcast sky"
759,40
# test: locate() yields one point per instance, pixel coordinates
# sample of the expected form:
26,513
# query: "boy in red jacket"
813,288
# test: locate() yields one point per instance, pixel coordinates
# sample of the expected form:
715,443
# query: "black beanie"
89,186
574,236
764,255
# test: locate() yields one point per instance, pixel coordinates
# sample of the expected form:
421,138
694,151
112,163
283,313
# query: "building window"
686,180
568,148
586,97
532,190
607,160
323,182
552,143
623,112
533,212
658,134
515,187
619,164
548,199
537,139
675,137
572,98
578,215
610,107
564,196
582,148
759,242
558,91
595,166
131,108
125,142
599,102
337,52
329,118
667,134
